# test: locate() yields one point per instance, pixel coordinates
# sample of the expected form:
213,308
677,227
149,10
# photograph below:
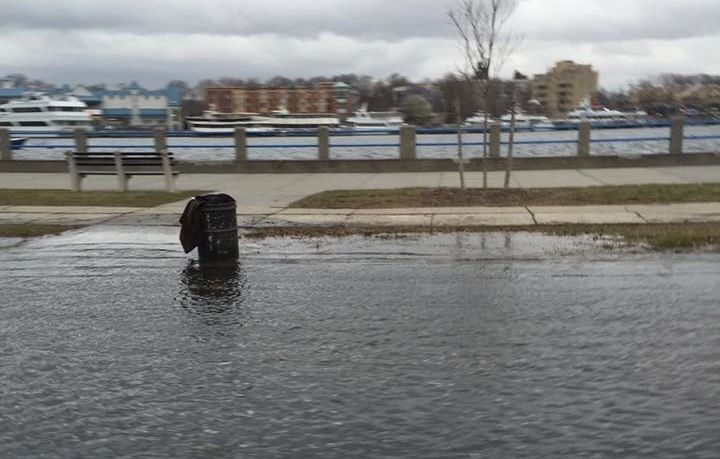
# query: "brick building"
326,97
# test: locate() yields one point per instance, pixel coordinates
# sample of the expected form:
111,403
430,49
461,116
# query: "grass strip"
12,197
685,236
494,197
30,229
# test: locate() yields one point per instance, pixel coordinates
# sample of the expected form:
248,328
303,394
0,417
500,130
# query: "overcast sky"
154,41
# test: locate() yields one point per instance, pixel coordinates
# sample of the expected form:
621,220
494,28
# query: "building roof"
12,92
172,93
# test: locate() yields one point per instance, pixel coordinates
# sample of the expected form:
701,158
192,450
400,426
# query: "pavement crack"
627,209
592,177
282,209
532,214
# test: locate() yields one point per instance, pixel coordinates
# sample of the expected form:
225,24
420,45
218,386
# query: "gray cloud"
366,18
158,40
618,19
373,19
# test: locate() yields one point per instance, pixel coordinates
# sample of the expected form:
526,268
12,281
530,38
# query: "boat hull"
45,132
17,142
229,131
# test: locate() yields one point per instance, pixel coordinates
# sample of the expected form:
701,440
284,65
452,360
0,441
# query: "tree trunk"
511,140
485,134
461,162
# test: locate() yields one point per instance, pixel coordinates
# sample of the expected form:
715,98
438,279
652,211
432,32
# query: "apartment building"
326,97
564,87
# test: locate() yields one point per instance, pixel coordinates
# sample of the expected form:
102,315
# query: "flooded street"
116,344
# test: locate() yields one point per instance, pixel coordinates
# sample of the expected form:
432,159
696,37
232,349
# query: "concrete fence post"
160,140
323,143
240,144
81,141
5,145
495,133
408,143
583,146
677,131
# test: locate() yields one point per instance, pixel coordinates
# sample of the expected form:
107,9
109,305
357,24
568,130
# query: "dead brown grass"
455,197
656,236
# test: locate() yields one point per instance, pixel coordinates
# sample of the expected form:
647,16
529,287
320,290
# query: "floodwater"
115,344
637,141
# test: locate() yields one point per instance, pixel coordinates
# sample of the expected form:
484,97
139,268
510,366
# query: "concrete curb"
413,217
403,165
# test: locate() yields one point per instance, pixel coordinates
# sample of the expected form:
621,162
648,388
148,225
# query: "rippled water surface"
376,146
114,344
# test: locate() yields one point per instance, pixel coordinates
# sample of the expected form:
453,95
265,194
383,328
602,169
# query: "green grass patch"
11,197
30,229
454,197
680,236
686,236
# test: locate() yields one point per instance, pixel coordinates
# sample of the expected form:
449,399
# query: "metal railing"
326,140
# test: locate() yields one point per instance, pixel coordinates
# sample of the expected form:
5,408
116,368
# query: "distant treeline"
662,95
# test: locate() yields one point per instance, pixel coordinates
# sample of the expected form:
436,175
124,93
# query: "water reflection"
213,292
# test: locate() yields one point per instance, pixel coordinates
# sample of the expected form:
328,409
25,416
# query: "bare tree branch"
487,42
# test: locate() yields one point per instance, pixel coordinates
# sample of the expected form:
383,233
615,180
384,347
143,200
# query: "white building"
135,106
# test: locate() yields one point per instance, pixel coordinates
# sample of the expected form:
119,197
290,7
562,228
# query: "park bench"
123,164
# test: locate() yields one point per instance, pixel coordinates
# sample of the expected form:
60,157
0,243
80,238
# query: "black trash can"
210,223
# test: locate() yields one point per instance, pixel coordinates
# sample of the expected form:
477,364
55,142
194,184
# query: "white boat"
363,120
602,117
17,143
38,114
524,122
478,119
283,119
217,123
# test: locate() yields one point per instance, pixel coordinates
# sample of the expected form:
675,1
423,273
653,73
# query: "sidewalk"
426,217
263,199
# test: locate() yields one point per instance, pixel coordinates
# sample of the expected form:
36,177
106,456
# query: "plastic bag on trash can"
190,219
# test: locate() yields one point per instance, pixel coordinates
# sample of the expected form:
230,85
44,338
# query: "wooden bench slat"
122,164
151,173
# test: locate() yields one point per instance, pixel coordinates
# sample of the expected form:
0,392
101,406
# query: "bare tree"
517,77
486,42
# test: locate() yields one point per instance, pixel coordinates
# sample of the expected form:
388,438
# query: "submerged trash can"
209,223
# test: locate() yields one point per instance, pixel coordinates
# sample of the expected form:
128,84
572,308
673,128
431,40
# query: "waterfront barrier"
406,145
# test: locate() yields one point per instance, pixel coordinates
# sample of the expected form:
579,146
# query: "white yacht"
478,119
280,121
283,119
602,117
524,122
41,115
386,122
217,123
